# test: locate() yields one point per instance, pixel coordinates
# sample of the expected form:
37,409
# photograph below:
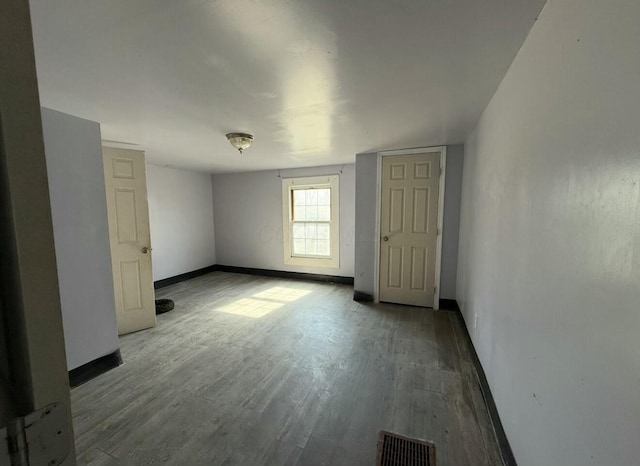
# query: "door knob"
385,238
145,250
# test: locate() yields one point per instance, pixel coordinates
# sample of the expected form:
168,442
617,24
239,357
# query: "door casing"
443,164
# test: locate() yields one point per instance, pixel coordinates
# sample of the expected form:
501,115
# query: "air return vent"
396,450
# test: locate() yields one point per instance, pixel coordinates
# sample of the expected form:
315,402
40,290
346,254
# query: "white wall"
78,207
366,242
550,238
181,219
248,213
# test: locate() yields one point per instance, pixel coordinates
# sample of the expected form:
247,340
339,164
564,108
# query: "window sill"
327,262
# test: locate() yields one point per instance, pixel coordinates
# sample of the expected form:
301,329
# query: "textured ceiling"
316,81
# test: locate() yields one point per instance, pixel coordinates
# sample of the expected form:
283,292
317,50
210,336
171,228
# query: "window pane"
298,230
312,246
312,213
311,196
311,230
324,213
311,238
324,231
298,197
299,246
324,196
323,247
299,213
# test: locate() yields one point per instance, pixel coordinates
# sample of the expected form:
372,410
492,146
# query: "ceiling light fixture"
240,141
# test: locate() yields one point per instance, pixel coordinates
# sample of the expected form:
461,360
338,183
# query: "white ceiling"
316,81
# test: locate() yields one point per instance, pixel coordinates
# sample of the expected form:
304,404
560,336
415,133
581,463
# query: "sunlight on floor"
255,308
261,304
279,293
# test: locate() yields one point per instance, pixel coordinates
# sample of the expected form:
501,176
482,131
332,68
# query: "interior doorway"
410,204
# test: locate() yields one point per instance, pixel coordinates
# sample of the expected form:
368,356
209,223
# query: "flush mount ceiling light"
240,141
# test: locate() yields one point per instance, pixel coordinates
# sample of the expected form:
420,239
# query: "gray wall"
550,238
181,221
248,213
451,220
78,207
365,248
365,228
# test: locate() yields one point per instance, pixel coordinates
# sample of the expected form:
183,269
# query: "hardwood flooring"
252,370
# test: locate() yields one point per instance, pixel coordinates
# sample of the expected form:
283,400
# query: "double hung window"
310,221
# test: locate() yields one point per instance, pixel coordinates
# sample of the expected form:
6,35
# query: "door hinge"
435,288
41,437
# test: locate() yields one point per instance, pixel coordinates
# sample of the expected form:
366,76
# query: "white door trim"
443,165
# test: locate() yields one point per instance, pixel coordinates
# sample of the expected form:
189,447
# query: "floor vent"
396,450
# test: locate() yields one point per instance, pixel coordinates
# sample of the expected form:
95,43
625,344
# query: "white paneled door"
409,228
126,189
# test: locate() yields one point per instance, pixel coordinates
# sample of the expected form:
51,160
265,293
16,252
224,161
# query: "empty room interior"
295,232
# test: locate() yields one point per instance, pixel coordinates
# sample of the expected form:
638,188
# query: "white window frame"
290,184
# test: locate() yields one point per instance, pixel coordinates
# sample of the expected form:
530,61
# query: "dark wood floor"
252,370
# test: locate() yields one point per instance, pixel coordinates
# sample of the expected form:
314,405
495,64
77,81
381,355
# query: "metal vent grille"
396,450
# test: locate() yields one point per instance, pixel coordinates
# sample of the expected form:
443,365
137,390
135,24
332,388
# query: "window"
310,221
